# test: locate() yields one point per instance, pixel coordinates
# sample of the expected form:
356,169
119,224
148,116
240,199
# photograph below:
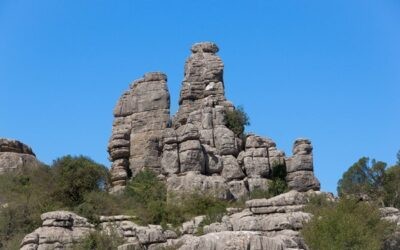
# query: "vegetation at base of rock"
100,241
75,177
152,205
236,120
28,193
347,224
277,185
372,180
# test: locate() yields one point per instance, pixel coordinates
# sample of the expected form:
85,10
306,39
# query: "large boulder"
59,230
15,155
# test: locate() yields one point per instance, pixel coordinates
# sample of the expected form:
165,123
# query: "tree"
236,120
75,177
347,224
363,178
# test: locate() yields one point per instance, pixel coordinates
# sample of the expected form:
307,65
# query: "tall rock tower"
195,150
141,115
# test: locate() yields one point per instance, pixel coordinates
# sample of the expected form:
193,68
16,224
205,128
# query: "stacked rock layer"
15,155
195,150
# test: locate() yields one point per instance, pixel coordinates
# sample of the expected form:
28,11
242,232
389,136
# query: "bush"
25,196
99,203
347,224
100,241
73,183
236,120
147,196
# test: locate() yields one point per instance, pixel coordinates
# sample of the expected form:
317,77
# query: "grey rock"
232,240
188,132
254,141
191,156
225,141
302,181
231,169
196,182
258,184
141,114
15,155
60,230
256,166
170,159
238,189
213,160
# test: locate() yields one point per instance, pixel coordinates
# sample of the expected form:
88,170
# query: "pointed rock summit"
195,150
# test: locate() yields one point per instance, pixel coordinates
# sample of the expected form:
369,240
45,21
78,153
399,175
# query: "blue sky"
325,70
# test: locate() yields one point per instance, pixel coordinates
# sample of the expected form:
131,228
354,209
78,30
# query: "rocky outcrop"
59,230
15,155
195,150
141,115
300,167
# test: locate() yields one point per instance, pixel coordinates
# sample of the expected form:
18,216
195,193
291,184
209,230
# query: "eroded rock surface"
194,150
59,230
14,155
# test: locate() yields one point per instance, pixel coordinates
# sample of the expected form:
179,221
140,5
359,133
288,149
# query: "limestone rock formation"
14,155
141,115
264,224
59,230
300,167
194,149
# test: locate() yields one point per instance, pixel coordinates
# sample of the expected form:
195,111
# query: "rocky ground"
263,224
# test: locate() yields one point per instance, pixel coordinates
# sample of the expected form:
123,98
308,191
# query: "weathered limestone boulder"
196,182
213,160
300,169
255,158
141,115
232,240
15,155
258,183
192,226
191,156
231,169
60,229
225,141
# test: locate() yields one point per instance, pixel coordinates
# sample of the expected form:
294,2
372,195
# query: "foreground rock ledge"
264,224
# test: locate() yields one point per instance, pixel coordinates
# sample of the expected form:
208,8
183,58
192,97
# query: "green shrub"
100,241
26,197
99,203
347,225
236,120
147,196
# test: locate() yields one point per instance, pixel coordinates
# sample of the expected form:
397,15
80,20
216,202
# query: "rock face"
60,229
195,150
14,155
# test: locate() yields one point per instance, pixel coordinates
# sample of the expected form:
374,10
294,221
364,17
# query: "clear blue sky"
325,70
